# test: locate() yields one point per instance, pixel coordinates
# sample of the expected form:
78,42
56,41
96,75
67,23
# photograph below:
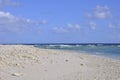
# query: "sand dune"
21,62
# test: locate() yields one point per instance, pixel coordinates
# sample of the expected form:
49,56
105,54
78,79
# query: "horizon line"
56,43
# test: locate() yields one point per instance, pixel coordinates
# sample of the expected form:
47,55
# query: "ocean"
106,50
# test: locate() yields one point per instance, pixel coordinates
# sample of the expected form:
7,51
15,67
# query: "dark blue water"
112,51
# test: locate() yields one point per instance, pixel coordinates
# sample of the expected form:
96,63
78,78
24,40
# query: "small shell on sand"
17,74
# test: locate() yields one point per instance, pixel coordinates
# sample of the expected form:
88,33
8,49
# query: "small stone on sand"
66,60
17,74
81,64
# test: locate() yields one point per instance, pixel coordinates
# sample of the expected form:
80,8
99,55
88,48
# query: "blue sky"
59,21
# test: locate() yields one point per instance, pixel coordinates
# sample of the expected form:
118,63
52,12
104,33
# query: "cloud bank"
67,28
11,23
100,12
8,3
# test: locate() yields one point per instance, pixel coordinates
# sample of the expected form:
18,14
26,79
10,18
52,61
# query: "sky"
59,21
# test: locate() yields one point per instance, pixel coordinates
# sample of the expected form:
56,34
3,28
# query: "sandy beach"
22,62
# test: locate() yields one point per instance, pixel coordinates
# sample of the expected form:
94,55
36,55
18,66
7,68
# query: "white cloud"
92,25
74,27
5,14
7,3
60,30
44,22
100,12
70,25
68,28
110,25
114,26
11,23
77,26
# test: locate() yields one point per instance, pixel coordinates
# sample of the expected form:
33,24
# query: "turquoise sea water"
112,51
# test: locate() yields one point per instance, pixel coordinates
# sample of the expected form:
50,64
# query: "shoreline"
84,52
24,62
107,51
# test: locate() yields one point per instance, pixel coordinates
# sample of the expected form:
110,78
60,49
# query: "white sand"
20,62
